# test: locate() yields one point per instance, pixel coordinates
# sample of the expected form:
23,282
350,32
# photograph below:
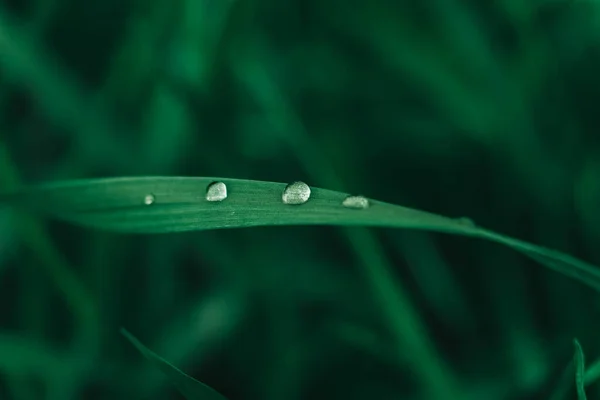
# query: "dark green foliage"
481,109
188,386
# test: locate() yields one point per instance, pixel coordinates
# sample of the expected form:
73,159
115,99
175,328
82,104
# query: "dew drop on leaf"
296,193
356,202
149,199
216,191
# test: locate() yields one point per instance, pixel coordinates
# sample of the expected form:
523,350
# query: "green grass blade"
592,374
579,361
117,204
189,387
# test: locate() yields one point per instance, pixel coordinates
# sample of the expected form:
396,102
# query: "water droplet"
149,199
356,202
216,191
466,221
296,193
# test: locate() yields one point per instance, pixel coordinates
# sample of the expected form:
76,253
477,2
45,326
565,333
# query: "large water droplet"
149,199
356,202
216,191
296,193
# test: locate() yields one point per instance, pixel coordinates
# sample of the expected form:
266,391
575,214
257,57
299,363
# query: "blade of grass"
583,377
412,340
117,204
579,360
592,374
182,342
189,387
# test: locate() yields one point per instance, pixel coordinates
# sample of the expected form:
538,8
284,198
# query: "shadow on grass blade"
189,387
180,204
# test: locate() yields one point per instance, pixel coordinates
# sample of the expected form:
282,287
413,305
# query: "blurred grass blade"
178,204
189,387
592,374
579,360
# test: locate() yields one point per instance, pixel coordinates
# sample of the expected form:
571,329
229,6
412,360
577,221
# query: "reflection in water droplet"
149,199
216,191
296,193
356,202
466,221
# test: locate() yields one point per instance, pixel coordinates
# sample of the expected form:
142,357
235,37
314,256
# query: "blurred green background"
483,109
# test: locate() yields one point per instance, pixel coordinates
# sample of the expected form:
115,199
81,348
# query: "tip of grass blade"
189,387
579,361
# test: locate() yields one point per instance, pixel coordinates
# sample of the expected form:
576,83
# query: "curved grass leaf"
189,387
179,204
579,361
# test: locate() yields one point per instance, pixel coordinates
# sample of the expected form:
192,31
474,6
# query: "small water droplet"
356,202
216,191
296,193
466,221
149,199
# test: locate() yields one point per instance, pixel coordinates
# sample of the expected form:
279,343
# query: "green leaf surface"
579,361
189,387
117,204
